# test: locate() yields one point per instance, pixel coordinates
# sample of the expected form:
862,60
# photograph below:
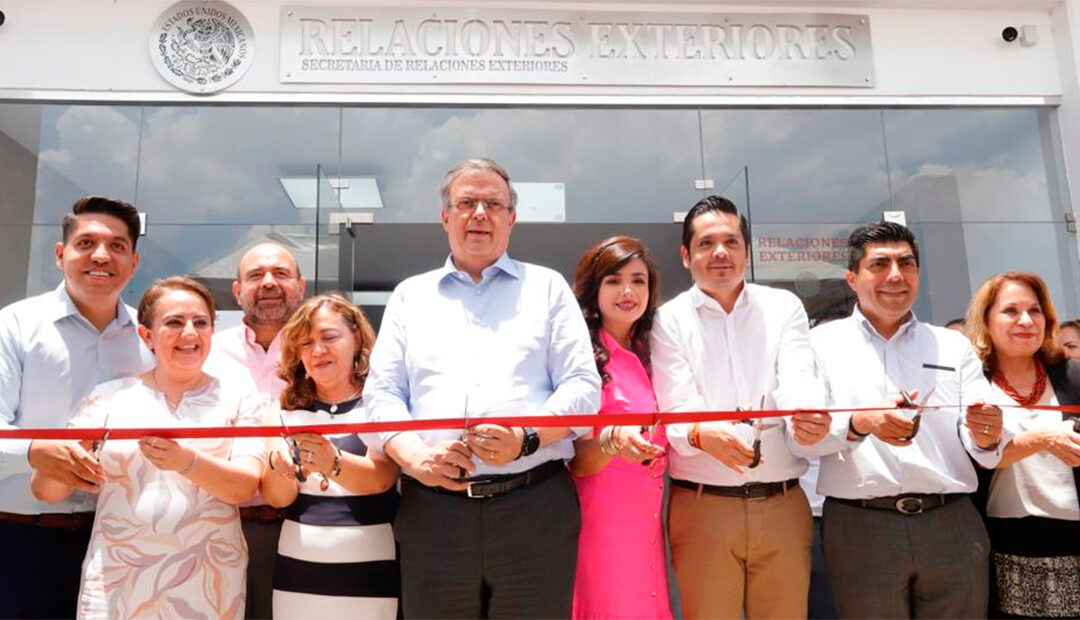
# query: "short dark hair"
713,204
878,232
119,209
957,321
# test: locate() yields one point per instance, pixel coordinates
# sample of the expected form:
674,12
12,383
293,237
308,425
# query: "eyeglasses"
469,205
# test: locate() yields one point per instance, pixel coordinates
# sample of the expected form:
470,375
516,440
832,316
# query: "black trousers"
262,543
41,570
511,556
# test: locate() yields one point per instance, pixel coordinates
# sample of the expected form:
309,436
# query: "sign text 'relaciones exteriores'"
452,38
372,44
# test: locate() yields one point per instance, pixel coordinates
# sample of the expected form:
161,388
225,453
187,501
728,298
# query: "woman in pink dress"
618,470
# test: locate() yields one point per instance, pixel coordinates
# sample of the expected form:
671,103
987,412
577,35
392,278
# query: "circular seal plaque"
202,46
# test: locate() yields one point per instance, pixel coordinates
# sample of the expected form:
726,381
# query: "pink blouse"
622,568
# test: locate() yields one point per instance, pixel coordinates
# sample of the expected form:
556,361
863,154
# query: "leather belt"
909,504
493,486
750,490
262,514
54,520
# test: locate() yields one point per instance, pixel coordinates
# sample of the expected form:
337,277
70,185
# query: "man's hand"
984,422
67,462
722,442
1063,443
887,424
810,427
494,444
440,465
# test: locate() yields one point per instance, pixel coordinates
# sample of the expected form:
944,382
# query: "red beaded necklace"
1036,390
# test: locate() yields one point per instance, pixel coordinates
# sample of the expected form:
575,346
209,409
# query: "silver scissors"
760,426
651,430
463,475
909,403
294,447
98,444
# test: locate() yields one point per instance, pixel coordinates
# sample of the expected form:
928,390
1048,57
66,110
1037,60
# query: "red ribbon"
591,420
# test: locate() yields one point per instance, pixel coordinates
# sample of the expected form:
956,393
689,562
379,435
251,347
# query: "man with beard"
269,289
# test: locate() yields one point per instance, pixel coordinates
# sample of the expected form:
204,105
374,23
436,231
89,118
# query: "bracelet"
606,441
851,428
191,465
335,471
693,437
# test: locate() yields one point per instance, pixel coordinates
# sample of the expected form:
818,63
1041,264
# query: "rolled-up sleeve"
571,364
673,379
13,452
386,391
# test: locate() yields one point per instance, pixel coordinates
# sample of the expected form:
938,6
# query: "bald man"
269,289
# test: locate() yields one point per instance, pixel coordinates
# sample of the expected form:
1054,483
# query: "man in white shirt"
740,530
54,348
489,518
901,537
269,289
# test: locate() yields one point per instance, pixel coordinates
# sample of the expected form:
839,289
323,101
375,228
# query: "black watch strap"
530,441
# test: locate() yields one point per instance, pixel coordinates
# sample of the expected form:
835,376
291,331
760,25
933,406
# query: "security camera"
1009,34
1,18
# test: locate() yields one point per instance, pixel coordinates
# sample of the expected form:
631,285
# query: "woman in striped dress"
336,555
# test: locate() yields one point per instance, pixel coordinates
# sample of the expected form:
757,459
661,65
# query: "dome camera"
1,18
1009,34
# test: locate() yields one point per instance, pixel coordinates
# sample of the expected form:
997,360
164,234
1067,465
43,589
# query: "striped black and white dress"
336,555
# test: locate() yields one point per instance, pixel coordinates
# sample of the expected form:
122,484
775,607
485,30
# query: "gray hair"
478,164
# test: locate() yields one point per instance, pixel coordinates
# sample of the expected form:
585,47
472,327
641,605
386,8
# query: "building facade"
230,124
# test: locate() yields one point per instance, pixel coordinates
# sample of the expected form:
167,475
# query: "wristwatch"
530,441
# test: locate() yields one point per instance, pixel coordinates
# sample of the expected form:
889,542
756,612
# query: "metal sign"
353,45
202,46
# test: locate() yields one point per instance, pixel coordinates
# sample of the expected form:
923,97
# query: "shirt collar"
248,335
503,264
610,343
869,329
701,299
62,306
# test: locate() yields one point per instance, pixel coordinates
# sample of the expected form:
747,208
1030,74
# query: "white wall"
98,49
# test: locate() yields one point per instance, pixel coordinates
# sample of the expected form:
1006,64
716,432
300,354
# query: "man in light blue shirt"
489,517
54,348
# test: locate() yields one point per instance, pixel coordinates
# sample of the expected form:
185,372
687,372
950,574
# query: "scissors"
294,447
909,403
650,430
98,444
463,475
760,426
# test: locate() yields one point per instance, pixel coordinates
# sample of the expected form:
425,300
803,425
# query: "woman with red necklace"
1032,510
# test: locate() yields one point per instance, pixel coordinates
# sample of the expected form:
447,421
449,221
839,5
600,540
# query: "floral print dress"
162,546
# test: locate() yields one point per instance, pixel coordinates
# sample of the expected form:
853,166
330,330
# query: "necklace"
334,405
1036,390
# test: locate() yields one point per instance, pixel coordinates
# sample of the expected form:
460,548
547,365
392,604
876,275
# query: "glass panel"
808,259
326,233
972,165
598,165
812,166
85,149
227,164
957,258
210,252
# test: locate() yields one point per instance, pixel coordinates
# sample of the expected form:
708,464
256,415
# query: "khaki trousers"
733,555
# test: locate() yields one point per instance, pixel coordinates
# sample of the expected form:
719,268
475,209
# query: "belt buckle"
910,506
476,495
750,497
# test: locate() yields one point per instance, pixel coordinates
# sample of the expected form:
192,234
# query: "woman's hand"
167,454
628,443
1064,443
279,458
317,454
